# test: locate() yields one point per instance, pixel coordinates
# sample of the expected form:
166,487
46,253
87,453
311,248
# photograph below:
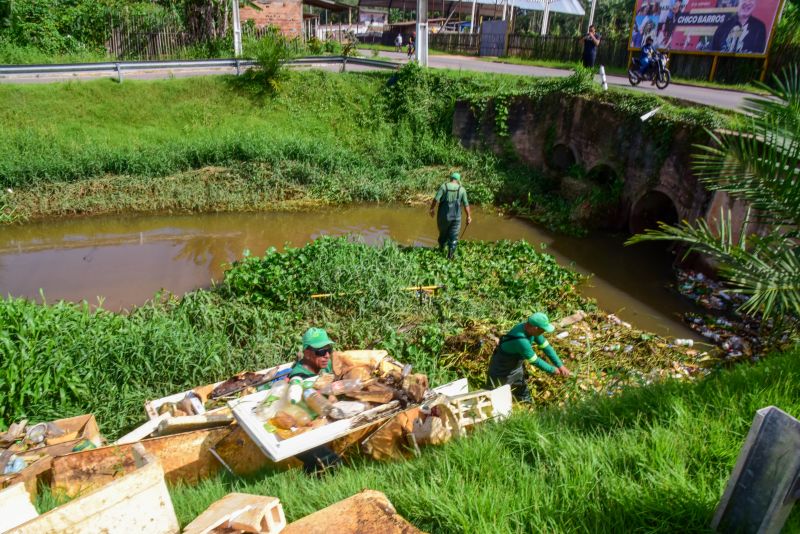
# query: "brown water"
123,261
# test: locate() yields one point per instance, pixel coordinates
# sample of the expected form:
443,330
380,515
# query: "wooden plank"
183,457
137,502
16,507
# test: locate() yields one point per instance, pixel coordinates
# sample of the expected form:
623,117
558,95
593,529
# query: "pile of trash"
356,388
604,353
739,336
24,445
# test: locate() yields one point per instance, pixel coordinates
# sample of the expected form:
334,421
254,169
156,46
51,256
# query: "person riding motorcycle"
648,51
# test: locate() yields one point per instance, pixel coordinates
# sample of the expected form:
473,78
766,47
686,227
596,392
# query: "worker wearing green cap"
451,196
507,363
317,351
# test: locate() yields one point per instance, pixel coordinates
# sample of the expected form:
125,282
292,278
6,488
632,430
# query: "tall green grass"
224,143
654,459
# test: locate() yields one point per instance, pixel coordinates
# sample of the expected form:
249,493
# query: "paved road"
713,97
702,95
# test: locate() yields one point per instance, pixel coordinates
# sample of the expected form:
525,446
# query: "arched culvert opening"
561,158
652,208
603,175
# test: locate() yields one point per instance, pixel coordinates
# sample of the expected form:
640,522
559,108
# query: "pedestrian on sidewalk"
590,43
507,365
398,43
451,197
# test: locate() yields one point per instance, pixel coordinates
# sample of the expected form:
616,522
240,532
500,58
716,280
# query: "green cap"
316,338
540,320
455,176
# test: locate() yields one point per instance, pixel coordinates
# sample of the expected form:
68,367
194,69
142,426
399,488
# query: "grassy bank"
652,460
213,144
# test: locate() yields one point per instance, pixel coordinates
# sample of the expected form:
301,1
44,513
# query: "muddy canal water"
124,260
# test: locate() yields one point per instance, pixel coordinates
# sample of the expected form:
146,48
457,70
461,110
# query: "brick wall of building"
285,14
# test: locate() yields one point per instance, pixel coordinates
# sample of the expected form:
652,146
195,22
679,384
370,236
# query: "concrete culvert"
650,209
561,158
602,175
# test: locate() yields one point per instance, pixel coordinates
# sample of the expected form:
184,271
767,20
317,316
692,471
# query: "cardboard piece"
137,502
240,512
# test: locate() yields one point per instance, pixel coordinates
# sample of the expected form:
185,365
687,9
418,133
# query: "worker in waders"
451,196
507,365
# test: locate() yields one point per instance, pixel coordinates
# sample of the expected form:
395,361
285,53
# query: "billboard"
706,26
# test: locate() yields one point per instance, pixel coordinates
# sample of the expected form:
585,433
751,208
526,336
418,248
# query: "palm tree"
758,163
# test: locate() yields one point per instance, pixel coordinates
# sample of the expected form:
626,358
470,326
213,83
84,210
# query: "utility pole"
237,30
421,54
591,14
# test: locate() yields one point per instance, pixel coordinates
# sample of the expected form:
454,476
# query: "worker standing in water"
451,197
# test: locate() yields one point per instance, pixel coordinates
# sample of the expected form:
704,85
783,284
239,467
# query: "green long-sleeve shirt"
516,346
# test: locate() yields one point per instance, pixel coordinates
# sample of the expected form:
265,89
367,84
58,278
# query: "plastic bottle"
341,387
318,403
295,390
276,400
684,342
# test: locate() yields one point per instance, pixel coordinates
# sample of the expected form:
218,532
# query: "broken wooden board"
240,512
765,482
186,457
368,512
16,507
137,502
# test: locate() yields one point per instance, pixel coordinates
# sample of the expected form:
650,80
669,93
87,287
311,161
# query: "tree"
759,164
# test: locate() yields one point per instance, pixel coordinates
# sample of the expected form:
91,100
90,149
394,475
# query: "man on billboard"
741,33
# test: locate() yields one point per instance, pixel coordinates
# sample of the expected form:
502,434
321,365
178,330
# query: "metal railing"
118,67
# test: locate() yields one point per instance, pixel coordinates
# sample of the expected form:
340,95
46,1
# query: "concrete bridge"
589,145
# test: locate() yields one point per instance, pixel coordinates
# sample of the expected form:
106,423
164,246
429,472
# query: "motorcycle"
656,71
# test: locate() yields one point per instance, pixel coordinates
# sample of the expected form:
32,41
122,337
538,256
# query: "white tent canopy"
567,7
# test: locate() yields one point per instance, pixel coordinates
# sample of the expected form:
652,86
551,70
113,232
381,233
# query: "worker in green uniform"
451,196
507,365
317,351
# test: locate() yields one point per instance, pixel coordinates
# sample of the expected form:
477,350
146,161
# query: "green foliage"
758,164
654,459
66,359
269,54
